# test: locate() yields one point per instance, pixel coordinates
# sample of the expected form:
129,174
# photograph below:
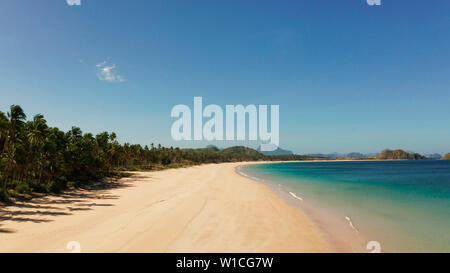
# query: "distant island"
278,151
433,156
399,154
355,155
446,157
387,154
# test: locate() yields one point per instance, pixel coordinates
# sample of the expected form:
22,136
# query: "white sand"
208,208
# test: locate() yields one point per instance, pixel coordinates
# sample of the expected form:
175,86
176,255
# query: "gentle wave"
295,196
351,223
238,170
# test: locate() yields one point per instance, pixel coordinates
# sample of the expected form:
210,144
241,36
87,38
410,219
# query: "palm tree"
37,130
36,137
14,123
16,120
9,160
3,131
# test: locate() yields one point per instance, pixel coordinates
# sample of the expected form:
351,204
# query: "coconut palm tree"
16,120
36,132
14,123
9,160
3,131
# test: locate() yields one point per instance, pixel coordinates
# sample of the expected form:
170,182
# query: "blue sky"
347,76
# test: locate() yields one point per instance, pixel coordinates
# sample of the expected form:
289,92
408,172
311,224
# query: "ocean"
402,205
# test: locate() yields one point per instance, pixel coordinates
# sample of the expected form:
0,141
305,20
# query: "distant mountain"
332,156
212,148
446,157
242,151
278,151
356,156
399,154
433,156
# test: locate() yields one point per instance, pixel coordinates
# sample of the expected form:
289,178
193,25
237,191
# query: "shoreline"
206,208
339,232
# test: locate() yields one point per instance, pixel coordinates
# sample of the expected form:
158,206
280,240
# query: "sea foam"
295,196
351,223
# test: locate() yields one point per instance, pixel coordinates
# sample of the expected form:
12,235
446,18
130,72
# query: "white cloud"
108,73
101,64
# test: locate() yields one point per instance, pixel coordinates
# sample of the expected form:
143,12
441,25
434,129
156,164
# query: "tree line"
35,157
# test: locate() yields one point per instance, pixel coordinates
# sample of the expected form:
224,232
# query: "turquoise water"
404,205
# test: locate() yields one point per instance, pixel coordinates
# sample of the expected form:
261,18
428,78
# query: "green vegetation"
35,157
399,154
446,157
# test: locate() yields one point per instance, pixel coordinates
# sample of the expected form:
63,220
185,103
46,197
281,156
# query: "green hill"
399,154
238,153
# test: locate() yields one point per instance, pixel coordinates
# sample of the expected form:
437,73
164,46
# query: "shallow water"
404,205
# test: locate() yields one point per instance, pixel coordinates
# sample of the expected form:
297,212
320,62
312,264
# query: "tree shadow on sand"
6,230
48,208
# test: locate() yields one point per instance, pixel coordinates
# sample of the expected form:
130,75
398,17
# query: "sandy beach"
207,208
